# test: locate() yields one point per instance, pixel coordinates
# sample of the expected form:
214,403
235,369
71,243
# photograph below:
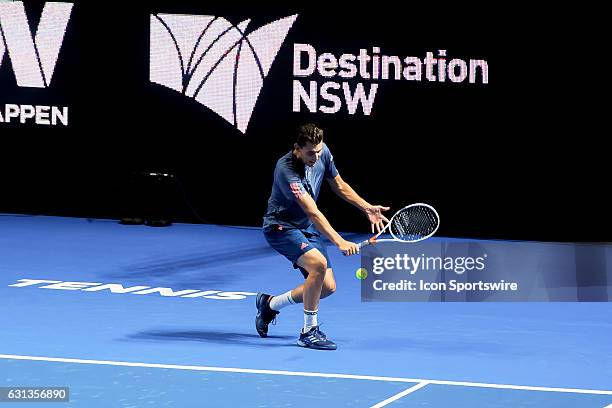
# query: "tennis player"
293,225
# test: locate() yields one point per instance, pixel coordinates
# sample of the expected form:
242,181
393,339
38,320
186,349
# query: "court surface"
200,349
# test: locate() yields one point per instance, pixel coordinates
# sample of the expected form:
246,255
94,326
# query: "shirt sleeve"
290,184
330,166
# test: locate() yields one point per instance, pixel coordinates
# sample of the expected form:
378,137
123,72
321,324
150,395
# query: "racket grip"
365,243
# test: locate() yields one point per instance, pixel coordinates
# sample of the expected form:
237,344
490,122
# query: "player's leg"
291,243
308,253
328,289
315,264
329,283
296,295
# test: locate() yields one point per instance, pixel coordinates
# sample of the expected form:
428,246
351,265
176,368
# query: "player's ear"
295,146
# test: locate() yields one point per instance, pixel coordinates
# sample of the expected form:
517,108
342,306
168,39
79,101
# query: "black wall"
516,158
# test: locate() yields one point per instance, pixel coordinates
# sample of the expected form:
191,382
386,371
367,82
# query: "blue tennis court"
133,316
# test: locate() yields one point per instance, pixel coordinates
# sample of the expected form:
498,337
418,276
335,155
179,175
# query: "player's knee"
318,268
330,287
315,263
321,267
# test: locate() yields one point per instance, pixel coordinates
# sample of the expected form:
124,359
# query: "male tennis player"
293,225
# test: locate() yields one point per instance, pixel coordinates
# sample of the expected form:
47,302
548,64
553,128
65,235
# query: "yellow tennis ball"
361,273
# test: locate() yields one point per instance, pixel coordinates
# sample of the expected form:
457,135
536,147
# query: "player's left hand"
376,218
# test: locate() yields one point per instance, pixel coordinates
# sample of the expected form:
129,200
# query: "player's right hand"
348,248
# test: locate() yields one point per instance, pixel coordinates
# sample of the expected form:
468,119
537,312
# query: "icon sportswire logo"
33,58
211,60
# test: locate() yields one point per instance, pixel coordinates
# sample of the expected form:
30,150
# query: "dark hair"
309,133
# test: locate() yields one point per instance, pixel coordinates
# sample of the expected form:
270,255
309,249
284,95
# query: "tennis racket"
412,223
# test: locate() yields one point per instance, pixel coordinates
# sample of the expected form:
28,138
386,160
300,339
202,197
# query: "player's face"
310,153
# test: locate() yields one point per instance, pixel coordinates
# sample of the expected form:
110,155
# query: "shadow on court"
208,257
215,337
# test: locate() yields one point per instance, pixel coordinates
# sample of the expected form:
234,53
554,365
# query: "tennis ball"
361,273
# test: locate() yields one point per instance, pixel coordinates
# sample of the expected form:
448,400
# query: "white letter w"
33,60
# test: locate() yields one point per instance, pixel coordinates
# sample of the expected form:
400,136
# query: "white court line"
304,374
399,395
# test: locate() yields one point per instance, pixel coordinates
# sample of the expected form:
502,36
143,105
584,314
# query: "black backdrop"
515,158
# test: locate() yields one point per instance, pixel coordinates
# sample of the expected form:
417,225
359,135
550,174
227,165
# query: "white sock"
280,301
310,319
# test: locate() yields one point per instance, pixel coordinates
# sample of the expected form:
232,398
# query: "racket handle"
367,242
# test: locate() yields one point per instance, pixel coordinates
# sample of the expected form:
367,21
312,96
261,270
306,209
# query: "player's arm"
346,192
315,216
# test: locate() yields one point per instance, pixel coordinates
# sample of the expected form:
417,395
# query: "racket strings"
414,223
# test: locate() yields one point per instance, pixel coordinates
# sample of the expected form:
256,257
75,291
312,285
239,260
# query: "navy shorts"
293,243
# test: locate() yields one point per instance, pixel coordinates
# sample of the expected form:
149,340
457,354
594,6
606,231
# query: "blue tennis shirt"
291,179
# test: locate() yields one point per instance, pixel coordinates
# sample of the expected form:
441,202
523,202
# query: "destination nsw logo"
209,59
350,81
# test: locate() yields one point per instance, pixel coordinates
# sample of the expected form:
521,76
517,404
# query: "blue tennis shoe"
316,339
265,315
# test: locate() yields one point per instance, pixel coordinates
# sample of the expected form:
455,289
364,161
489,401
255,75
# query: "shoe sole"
261,334
302,344
257,299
